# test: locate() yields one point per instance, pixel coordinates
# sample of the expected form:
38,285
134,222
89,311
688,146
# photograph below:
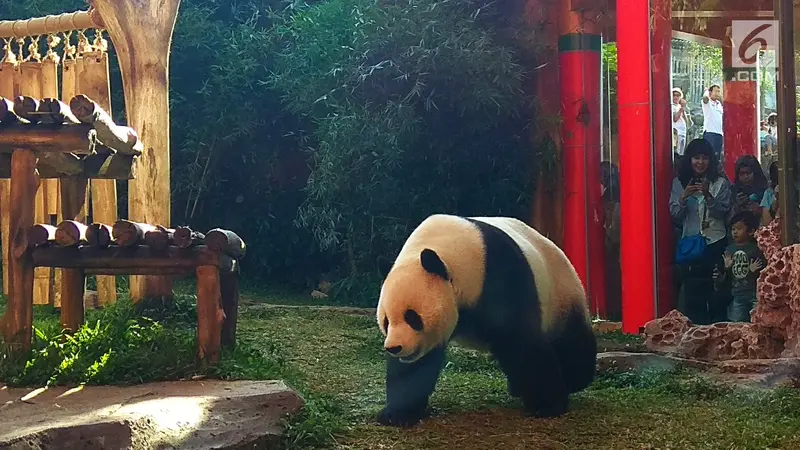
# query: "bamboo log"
225,241
120,138
99,235
41,234
144,65
70,233
7,114
18,319
53,110
184,237
210,314
159,238
26,107
66,139
51,24
128,233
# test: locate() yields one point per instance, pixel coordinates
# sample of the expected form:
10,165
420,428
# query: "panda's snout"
394,349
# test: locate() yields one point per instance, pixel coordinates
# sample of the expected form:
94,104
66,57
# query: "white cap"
678,90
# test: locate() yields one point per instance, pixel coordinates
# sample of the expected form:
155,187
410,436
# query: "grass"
334,359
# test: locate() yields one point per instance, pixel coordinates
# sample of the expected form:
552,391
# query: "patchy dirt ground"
652,407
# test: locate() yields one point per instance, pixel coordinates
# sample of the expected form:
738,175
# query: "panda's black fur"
541,371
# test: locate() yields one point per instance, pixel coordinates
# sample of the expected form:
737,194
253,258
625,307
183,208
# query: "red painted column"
661,47
636,164
739,118
584,235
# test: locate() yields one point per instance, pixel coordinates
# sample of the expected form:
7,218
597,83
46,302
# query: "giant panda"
491,283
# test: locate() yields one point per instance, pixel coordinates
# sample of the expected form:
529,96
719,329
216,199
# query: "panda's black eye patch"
385,324
413,320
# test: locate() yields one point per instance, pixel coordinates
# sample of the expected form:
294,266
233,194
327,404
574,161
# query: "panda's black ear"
433,264
384,266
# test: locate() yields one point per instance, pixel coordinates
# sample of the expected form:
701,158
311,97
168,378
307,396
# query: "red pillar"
739,118
661,47
636,164
584,235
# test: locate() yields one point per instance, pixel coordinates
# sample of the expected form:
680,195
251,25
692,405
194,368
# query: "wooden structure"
144,61
134,248
49,139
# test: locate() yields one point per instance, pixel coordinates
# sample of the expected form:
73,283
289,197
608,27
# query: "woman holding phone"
700,204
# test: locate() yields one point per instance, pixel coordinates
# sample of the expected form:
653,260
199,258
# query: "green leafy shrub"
417,110
123,344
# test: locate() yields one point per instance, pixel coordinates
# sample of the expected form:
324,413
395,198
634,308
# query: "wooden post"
31,79
209,314
144,65
8,75
73,281
92,80
18,322
229,288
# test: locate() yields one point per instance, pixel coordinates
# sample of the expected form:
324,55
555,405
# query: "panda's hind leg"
534,375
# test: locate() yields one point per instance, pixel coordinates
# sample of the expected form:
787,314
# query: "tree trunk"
141,33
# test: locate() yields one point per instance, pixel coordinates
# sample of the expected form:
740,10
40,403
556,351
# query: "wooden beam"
46,138
52,24
98,166
116,257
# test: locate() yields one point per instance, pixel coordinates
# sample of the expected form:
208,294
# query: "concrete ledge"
202,414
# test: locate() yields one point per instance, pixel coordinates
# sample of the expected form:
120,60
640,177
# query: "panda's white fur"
423,306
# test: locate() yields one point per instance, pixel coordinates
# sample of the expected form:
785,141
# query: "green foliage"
417,109
125,345
323,132
609,79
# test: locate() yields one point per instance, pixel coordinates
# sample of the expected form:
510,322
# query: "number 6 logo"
750,40
750,37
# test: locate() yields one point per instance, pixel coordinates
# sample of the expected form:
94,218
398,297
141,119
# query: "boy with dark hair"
743,263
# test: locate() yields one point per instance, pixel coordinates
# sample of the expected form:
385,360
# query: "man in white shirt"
712,119
679,119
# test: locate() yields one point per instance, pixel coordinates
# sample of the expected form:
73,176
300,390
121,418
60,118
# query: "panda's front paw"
401,418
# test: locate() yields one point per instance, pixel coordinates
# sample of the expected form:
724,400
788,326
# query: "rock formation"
774,330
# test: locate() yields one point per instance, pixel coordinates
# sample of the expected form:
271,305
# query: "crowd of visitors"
717,259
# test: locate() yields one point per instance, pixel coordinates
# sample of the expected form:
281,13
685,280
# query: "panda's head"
417,309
